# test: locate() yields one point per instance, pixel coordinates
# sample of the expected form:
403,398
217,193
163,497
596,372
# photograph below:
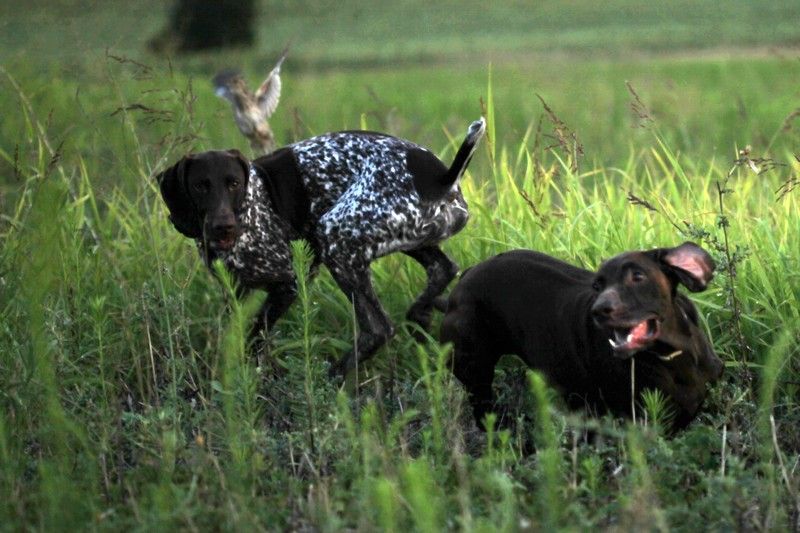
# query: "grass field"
128,399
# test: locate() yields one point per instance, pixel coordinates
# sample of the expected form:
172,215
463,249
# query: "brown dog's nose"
606,305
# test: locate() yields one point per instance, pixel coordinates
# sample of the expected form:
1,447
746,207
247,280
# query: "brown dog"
580,328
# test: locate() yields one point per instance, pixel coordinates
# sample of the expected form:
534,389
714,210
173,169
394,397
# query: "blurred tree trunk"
205,24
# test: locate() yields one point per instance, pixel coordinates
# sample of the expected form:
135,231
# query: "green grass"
354,32
128,400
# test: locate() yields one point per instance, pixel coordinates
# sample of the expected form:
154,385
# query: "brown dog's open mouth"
627,340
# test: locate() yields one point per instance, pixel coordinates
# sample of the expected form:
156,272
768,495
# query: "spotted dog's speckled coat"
354,196
364,205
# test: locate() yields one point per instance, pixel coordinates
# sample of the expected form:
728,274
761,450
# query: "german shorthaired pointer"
581,328
354,196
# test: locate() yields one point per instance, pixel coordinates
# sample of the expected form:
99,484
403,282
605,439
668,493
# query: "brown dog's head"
205,193
639,308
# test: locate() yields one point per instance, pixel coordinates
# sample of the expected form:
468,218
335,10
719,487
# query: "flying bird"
252,111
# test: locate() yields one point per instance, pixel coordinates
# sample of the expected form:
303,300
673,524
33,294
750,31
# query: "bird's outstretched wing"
223,83
269,93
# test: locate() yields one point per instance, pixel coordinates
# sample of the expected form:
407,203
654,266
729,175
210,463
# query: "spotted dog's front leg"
280,296
374,326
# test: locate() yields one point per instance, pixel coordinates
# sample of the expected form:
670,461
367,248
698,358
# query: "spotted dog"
582,328
354,196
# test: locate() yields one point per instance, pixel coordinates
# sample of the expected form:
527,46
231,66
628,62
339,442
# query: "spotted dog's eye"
233,183
638,276
597,285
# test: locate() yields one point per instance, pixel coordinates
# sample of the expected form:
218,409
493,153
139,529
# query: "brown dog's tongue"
638,335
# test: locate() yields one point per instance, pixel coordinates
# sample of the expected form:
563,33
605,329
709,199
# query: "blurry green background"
715,74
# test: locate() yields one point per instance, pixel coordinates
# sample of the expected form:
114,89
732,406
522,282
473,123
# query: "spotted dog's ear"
242,161
182,212
280,174
688,263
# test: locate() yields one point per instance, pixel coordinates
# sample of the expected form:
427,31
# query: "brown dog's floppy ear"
689,263
182,212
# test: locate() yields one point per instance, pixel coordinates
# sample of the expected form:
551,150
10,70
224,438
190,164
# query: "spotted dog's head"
205,194
640,310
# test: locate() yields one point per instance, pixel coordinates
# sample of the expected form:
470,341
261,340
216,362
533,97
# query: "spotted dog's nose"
223,224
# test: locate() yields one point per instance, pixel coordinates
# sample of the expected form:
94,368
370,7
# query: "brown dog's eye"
637,276
597,285
202,186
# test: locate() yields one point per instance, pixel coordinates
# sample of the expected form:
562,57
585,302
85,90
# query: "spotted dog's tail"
474,134
432,179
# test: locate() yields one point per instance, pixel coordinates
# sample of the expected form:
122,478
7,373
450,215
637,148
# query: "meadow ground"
128,400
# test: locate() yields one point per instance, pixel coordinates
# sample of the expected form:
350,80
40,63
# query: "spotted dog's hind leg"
440,270
374,326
